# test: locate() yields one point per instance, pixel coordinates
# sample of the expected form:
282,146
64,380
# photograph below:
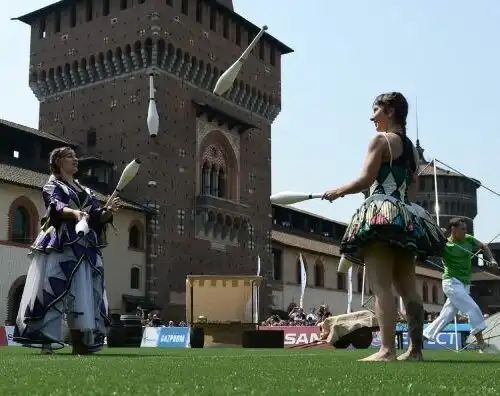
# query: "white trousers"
458,300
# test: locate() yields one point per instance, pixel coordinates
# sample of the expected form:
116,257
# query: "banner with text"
296,335
301,335
165,337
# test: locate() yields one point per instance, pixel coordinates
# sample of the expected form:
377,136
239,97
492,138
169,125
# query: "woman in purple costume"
66,275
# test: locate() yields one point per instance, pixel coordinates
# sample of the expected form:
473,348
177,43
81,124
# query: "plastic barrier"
165,337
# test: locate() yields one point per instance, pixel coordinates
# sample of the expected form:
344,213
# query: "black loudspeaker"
196,337
361,338
342,343
263,339
125,332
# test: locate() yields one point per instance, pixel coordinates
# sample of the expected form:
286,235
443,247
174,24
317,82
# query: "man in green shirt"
457,261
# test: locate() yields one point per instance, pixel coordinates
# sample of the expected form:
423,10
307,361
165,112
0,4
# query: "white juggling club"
291,197
226,80
126,177
153,119
82,227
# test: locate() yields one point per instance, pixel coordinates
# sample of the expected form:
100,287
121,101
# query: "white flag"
303,281
349,290
402,309
256,295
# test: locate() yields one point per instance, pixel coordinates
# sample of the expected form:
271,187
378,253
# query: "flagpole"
257,300
303,281
349,290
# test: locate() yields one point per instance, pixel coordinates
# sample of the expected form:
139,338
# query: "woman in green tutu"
387,232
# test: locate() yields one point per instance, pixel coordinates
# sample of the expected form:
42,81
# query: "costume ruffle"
385,219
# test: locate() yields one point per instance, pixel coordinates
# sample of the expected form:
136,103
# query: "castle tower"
208,172
457,194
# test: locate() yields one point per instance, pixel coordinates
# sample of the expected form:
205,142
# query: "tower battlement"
79,43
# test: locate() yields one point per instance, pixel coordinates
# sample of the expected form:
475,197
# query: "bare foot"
411,356
380,356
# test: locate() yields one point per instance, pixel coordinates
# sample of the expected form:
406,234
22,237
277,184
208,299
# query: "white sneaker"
428,337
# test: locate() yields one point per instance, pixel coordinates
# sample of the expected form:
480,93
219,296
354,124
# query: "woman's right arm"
56,203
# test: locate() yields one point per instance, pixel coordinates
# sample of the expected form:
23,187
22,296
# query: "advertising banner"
173,337
301,335
9,330
296,335
3,337
165,337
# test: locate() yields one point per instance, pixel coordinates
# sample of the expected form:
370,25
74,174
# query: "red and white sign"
3,337
296,335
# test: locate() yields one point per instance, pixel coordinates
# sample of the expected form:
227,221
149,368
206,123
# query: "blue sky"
445,53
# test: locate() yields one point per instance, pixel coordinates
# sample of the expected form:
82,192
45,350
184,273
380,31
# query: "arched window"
218,167
360,281
222,184
319,274
23,221
135,274
21,225
136,236
341,283
425,293
435,299
14,299
214,181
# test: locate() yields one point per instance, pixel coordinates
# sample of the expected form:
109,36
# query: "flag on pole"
349,290
402,307
303,281
256,295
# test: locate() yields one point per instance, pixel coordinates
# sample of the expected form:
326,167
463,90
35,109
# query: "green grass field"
147,371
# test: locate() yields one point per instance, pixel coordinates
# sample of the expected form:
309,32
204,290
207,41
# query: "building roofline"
94,158
36,132
283,48
307,213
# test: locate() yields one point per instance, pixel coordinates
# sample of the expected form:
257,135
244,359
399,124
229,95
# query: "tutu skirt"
388,220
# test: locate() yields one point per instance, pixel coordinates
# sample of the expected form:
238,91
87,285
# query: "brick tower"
208,172
457,194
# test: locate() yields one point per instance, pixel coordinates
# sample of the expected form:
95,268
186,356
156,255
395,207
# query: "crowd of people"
153,319
296,316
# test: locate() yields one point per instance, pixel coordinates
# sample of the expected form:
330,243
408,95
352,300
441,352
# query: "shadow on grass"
458,361
127,355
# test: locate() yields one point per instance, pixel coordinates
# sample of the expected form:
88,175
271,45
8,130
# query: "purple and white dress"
66,277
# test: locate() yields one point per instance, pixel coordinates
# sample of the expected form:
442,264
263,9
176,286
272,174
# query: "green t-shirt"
457,260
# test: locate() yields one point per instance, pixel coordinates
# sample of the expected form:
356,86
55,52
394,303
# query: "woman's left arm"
373,160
